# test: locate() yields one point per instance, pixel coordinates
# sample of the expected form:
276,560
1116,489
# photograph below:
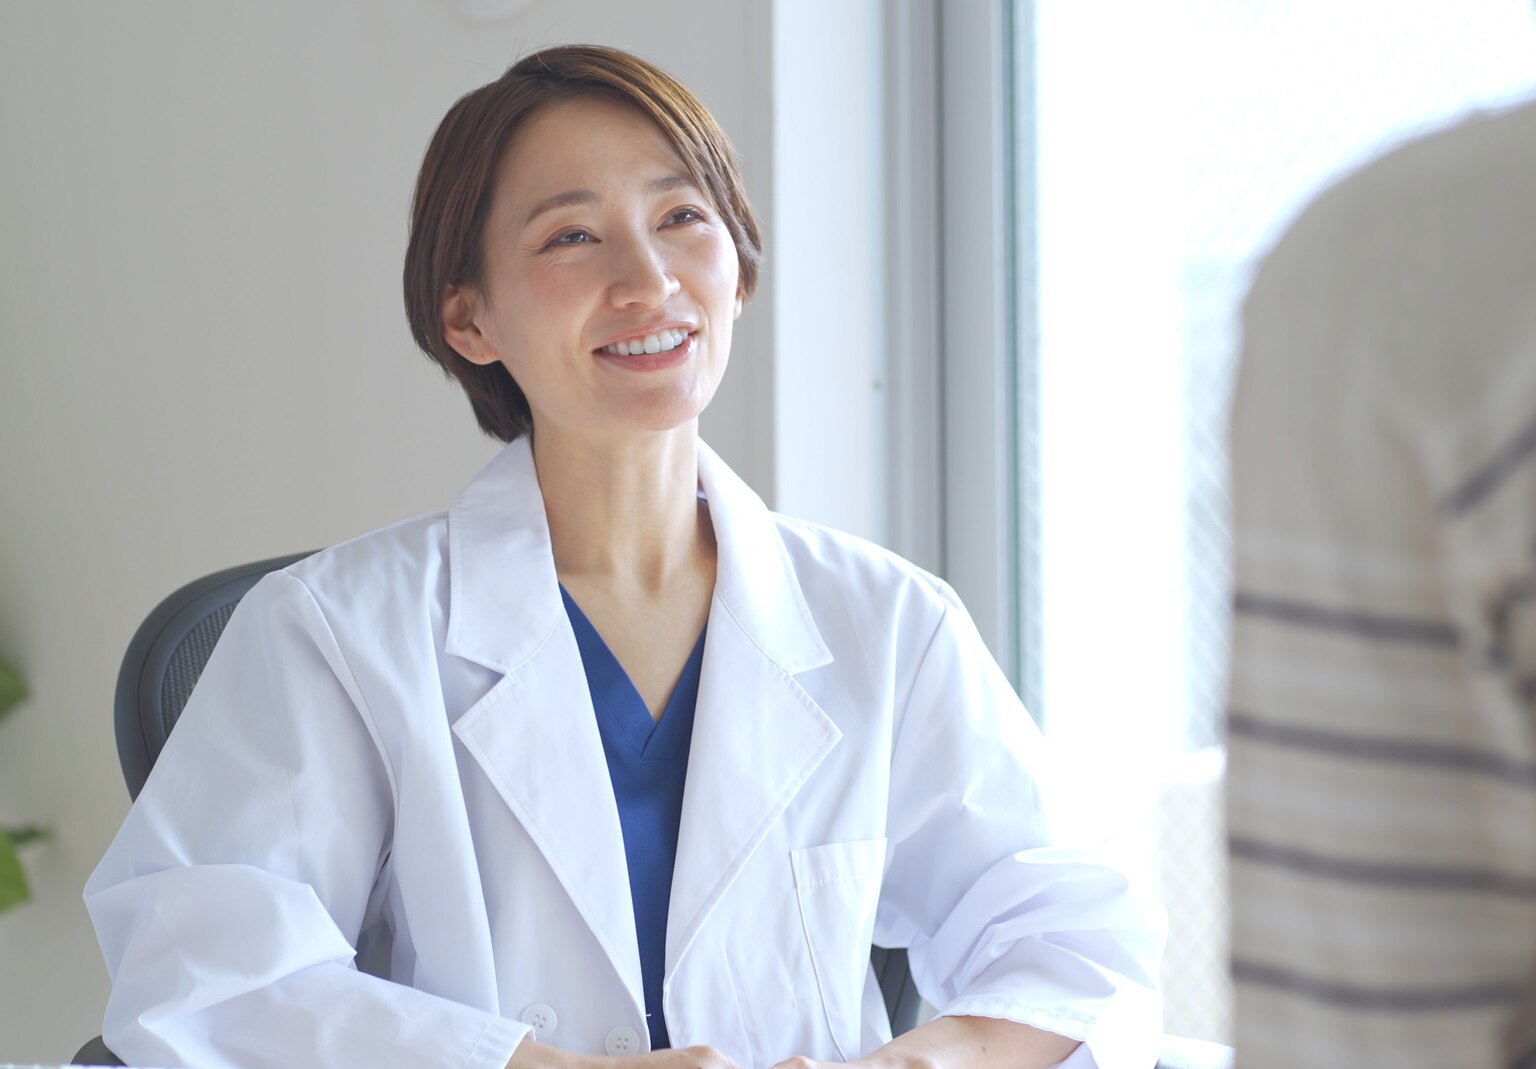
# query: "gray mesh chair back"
902,1002
166,656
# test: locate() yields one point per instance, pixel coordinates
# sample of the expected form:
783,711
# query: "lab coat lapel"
757,734
534,734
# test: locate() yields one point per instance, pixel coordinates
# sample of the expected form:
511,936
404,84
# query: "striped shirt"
1382,720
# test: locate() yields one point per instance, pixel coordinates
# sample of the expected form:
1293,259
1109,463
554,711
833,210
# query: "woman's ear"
461,328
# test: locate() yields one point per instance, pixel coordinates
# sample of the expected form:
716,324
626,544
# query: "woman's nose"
642,275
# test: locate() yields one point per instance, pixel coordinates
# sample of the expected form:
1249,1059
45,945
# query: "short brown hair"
458,181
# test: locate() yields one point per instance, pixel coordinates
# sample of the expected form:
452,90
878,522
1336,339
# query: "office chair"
167,655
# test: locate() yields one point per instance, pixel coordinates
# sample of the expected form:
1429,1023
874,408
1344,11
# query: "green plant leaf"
12,689
27,833
13,881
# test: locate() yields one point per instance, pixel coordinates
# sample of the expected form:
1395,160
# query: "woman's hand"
960,1043
533,1055
686,1058
942,1043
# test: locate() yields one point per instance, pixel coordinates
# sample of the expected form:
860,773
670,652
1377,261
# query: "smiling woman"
464,179
605,760
595,247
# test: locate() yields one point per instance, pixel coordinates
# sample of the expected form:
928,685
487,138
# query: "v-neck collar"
618,703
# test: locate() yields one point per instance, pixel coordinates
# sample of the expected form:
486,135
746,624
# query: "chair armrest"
95,1053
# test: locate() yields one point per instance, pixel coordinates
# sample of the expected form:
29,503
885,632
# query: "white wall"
202,216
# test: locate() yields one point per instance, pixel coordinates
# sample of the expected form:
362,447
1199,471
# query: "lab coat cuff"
1126,1036
496,1044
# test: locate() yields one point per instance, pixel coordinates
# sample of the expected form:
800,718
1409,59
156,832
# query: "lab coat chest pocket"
838,888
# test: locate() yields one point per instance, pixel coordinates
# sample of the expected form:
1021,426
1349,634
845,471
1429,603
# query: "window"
1158,150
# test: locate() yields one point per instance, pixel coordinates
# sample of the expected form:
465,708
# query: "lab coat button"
622,1040
542,1018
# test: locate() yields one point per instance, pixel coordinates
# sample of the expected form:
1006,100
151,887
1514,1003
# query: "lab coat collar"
503,593
505,596
753,575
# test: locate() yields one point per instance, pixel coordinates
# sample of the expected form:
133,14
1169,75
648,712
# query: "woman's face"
611,284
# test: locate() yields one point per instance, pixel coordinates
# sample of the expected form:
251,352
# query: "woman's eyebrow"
664,184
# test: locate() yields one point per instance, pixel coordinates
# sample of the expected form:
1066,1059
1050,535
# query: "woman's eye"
685,215
571,237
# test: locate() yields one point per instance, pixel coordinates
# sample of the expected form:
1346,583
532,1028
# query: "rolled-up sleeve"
1001,920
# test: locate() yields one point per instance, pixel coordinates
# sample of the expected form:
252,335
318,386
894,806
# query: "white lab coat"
383,832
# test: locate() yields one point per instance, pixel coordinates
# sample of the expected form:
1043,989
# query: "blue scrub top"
648,763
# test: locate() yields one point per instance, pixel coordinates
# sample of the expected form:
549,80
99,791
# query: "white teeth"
663,342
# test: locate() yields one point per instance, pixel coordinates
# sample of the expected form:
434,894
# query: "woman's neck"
624,512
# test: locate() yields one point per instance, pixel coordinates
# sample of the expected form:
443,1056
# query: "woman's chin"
667,408
632,423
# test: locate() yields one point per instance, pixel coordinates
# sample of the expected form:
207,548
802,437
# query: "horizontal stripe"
1398,876
1405,936
1438,756
1347,621
1397,572
1499,616
1388,999
1486,480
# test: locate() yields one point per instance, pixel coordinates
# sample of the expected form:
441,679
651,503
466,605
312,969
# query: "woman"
606,760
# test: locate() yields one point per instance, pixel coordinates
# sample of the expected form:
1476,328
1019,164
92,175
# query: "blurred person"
1382,775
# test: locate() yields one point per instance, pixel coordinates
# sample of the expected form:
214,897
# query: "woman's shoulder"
389,562
833,563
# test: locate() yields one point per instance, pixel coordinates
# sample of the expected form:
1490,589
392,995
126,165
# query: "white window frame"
890,132
951,466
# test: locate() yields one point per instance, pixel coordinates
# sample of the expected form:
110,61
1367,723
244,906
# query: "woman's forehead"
586,142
